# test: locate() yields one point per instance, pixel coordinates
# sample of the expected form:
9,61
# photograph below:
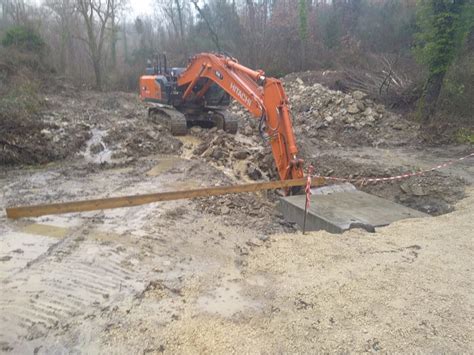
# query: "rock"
47,133
380,108
370,119
359,95
225,210
353,109
368,111
248,131
399,126
201,148
360,106
97,148
254,173
241,154
415,189
299,81
329,119
217,154
196,129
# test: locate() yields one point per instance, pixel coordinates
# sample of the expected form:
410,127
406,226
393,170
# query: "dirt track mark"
67,283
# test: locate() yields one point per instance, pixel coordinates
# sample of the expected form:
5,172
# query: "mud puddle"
189,144
96,150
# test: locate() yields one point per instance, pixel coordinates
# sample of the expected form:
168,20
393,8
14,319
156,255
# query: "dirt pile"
248,157
101,126
32,141
119,125
327,118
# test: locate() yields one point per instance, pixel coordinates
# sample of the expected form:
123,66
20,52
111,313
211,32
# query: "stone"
353,109
254,173
380,108
96,148
299,81
241,154
47,133
368,111
329,119
196,129
359,95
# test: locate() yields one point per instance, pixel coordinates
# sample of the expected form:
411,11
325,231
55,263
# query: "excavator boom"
263,97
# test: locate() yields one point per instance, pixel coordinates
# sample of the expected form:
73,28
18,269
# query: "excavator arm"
263,97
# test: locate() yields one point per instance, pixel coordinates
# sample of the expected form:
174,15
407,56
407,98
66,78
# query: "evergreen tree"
444,25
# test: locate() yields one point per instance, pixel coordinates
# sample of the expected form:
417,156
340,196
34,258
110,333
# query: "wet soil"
226,274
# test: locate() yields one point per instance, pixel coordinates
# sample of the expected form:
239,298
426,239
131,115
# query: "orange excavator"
196,95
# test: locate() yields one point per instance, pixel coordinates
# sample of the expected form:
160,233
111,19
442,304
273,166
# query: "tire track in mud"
63,285
73,278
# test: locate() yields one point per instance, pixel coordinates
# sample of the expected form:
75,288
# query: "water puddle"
45,230
163,166
189,144
103,155
183,185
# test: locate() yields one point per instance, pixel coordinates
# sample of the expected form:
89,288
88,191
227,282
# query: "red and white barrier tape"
392,178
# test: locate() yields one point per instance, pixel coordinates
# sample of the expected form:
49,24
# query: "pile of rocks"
334,118
322,118
247,158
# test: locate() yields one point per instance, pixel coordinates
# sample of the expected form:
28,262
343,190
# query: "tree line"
97,41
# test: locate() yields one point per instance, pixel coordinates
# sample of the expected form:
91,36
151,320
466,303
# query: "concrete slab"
339,208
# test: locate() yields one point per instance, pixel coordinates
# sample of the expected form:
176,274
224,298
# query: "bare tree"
117,6
63,11
174,11
96,15
16,9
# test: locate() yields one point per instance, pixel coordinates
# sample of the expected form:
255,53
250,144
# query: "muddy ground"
228,274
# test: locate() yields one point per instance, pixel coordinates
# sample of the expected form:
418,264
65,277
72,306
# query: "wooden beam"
137,200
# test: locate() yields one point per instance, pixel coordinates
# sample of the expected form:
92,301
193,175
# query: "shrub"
23,38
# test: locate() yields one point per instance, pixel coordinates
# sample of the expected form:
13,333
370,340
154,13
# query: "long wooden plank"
136,200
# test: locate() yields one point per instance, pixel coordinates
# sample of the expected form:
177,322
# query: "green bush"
458,89
465,135
23,38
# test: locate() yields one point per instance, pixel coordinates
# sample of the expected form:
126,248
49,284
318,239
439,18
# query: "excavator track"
171,118
225,120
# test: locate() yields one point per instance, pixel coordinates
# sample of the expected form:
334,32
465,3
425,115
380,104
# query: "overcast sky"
141,7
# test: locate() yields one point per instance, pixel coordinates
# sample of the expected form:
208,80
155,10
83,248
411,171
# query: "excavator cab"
159,87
